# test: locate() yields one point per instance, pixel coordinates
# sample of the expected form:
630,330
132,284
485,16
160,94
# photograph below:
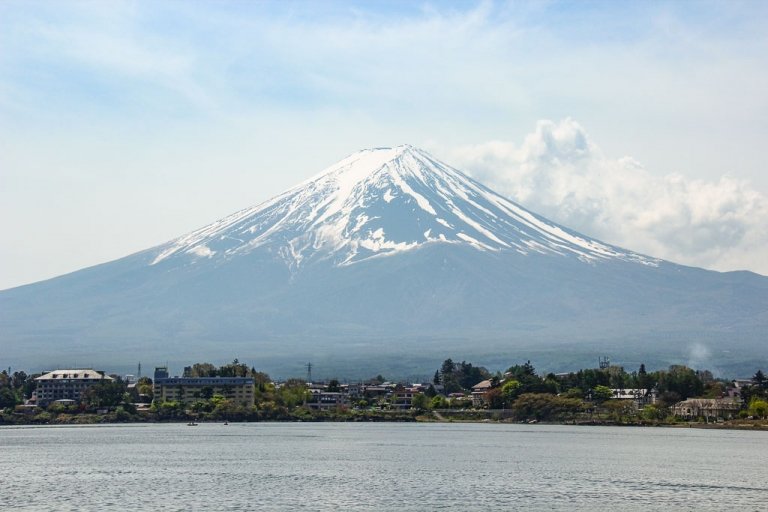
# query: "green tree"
653,413
457,377
199,406
510,390
447,377
201,370
446,369
234,369
18,379
29,386
333,386
667,399
467,375
617,377
522,373
681,380
569,408
292,393
601,394
127,406
144,386
714,389
619,410
545,406
574,393
758,408
759,380
438,402
644,380
168,409
420,402
107,393
56,408
7,397
261,380
525,374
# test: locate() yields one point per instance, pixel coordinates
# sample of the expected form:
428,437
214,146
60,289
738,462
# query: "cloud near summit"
559,172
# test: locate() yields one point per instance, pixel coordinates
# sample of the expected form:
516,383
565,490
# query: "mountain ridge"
387,259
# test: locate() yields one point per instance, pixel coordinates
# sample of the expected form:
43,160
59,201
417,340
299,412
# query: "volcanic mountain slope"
380,202
388,256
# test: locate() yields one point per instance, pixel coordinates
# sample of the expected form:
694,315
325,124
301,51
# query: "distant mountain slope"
387,259
381,202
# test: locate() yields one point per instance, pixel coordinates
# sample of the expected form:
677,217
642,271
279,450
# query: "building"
319,399
639,397
402,398
740,383
376,392
67,384
708,408
191,389
479,391
352,390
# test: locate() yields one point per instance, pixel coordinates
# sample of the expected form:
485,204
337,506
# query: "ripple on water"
380,467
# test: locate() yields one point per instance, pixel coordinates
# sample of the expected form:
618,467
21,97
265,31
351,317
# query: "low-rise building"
352,390
479,390
374,392
710,408
740,383
639,397
319,399
67,384
402,398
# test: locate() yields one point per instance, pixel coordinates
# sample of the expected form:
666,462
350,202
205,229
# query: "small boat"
191,424
226,423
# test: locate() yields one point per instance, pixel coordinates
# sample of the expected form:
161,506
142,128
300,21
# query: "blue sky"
124,124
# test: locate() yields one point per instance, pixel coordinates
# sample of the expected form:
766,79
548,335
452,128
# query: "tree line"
530,395
549,396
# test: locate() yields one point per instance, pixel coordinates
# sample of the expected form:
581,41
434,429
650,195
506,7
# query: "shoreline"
105,420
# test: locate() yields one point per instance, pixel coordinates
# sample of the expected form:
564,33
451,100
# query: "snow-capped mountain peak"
379,202
387,259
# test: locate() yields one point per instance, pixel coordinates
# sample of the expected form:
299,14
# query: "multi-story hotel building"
67,384
190,389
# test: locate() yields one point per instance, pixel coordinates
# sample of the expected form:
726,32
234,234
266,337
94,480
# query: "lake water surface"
375,466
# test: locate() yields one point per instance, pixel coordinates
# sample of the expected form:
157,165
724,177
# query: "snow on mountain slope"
380,202
388,255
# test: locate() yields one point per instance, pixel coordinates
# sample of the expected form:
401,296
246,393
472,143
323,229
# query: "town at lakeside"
458,391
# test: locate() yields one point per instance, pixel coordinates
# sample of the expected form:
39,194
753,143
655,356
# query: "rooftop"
76,373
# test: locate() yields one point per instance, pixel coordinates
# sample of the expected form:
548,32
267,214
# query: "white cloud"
560,173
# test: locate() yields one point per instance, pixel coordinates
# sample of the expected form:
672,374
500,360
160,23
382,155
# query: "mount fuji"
389,260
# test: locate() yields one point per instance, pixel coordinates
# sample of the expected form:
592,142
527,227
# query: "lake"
381,466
